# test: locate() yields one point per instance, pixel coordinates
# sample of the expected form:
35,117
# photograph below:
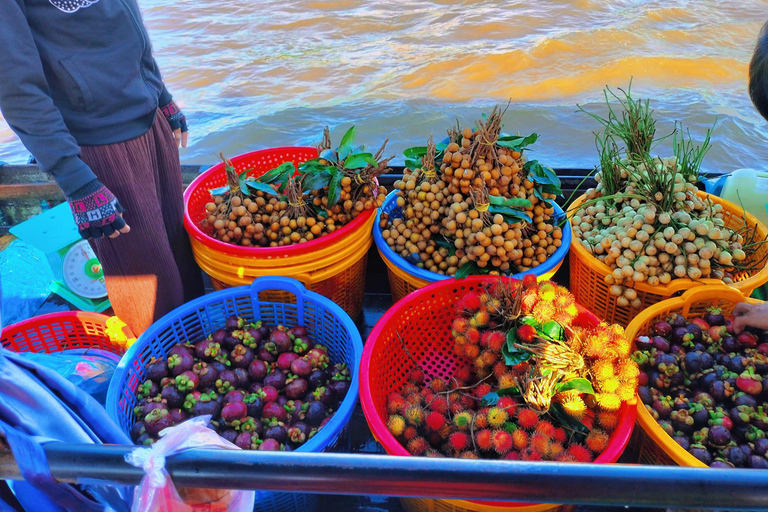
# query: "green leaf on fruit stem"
278,174
511,340
345,146
416,152
219,191
334,188
359,161
330,155
515,202
255,185
517,142
580,430
552,330
538,194
315,180
580,384
515,356
510,215
413,164
442,241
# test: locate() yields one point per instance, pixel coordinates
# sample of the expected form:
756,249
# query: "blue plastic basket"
326,323
390,207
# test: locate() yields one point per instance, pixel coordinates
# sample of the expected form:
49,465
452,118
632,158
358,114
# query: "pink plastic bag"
156,492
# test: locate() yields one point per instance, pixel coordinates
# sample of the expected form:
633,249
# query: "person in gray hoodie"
81,89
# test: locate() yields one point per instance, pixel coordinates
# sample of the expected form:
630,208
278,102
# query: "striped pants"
149,271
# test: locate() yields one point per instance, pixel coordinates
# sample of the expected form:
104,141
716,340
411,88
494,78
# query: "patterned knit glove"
96,211
175,117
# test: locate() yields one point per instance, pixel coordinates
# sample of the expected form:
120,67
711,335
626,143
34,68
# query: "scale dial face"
82,272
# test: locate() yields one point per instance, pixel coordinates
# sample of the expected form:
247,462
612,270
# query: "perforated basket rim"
340,418
35,322
549,264
619,437
596,266
650,427
264,252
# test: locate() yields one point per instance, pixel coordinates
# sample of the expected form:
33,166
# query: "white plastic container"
748,187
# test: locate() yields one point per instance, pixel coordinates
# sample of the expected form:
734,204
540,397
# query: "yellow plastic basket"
588,273
649,443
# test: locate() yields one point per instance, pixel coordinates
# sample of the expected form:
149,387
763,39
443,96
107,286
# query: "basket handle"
287,284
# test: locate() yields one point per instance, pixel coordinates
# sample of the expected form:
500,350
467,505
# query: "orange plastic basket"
650,444
61,331
424,320
332,265
588,273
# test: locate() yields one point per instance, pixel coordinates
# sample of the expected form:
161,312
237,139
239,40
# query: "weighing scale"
78,277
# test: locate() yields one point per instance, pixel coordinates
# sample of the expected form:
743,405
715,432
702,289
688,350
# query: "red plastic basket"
60,331
261,161
423,319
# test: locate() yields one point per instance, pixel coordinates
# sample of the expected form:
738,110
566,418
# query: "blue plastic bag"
25,280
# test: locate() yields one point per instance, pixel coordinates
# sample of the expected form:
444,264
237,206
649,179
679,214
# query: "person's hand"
177,121
97,212
750,315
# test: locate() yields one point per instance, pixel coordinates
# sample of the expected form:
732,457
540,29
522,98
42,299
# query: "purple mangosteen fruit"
157,420
246,441
274,410
241,356
254,404
269,394
182,348
339,388
281,340
270,445
207,404
317,378
682,421
298,331
180,362
296,388
233,323
219,366
285,359
173,397
695,332
662,328
750,383
679,335
747,339
761,446
230,341
677,320
218,336
692,362
719,436
316,413
236,395
324,395
643,343
207,350
737,364
229,434
276,379
255,387
241,377
701,453
146,406
318,358
667,427
257,370
707,361
234,411
187,381
301,367
661,344
714,316
148,389
757,462
157,369
178,416
683,441
207,375
735,456
266,355
226,382
730,345
144,440
721,464
645,395
276,432
138,430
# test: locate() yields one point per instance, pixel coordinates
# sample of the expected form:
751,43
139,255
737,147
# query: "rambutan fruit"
501,441
481,418
560,436
483,439
540,443
580,453
471,350
499,369
458,349
459,441
410,433
438,385
480,365
530,456
602,370
546,428
481,390
432,453
489,357
595,344
473,336
468,402
527,418
513,455
460,325
396,425
566,457
417,446
439,404
609,385
497,417
507,380
413,399
597,441
626,390
414,415
435,421
482,318
462,420
468,455
529,301
608,419
526,333
608,401
496,340
627,370
395,403
456,408
508,404
565,316
547,291
529,280
520,439
410,389
471,302
574,405
463,373
588,419
555,450
417,376
445,432
564,299
543,311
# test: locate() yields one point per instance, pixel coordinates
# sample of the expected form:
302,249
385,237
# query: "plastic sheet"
25,280
156,492
88,369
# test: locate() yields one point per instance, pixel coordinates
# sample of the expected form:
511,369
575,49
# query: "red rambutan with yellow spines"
555,450
468,402
410,433
471,351
499,369
565,316
547,291
494,340
574,405
580,453
508,380
462,420
560,435
526,333
543,311
456,408
434,454
527,417
468,455
597,441
463,373
513,455
546,428
497,417
565,457
520,439
435,421
529,280
589,419
395,403
438,385
458,349
481,418
459,441
417,376
529,300
608,419
501,441
608,401
482,318
481,390
470,302
563,298
540,443
508,404
483,440
489,357
460,325
414,415
410,389
596,344
480,365
438,404
530,455
626,390
413,399
417,446
427,394
396,425
473,336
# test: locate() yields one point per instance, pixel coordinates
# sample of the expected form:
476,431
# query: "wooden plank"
30,192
